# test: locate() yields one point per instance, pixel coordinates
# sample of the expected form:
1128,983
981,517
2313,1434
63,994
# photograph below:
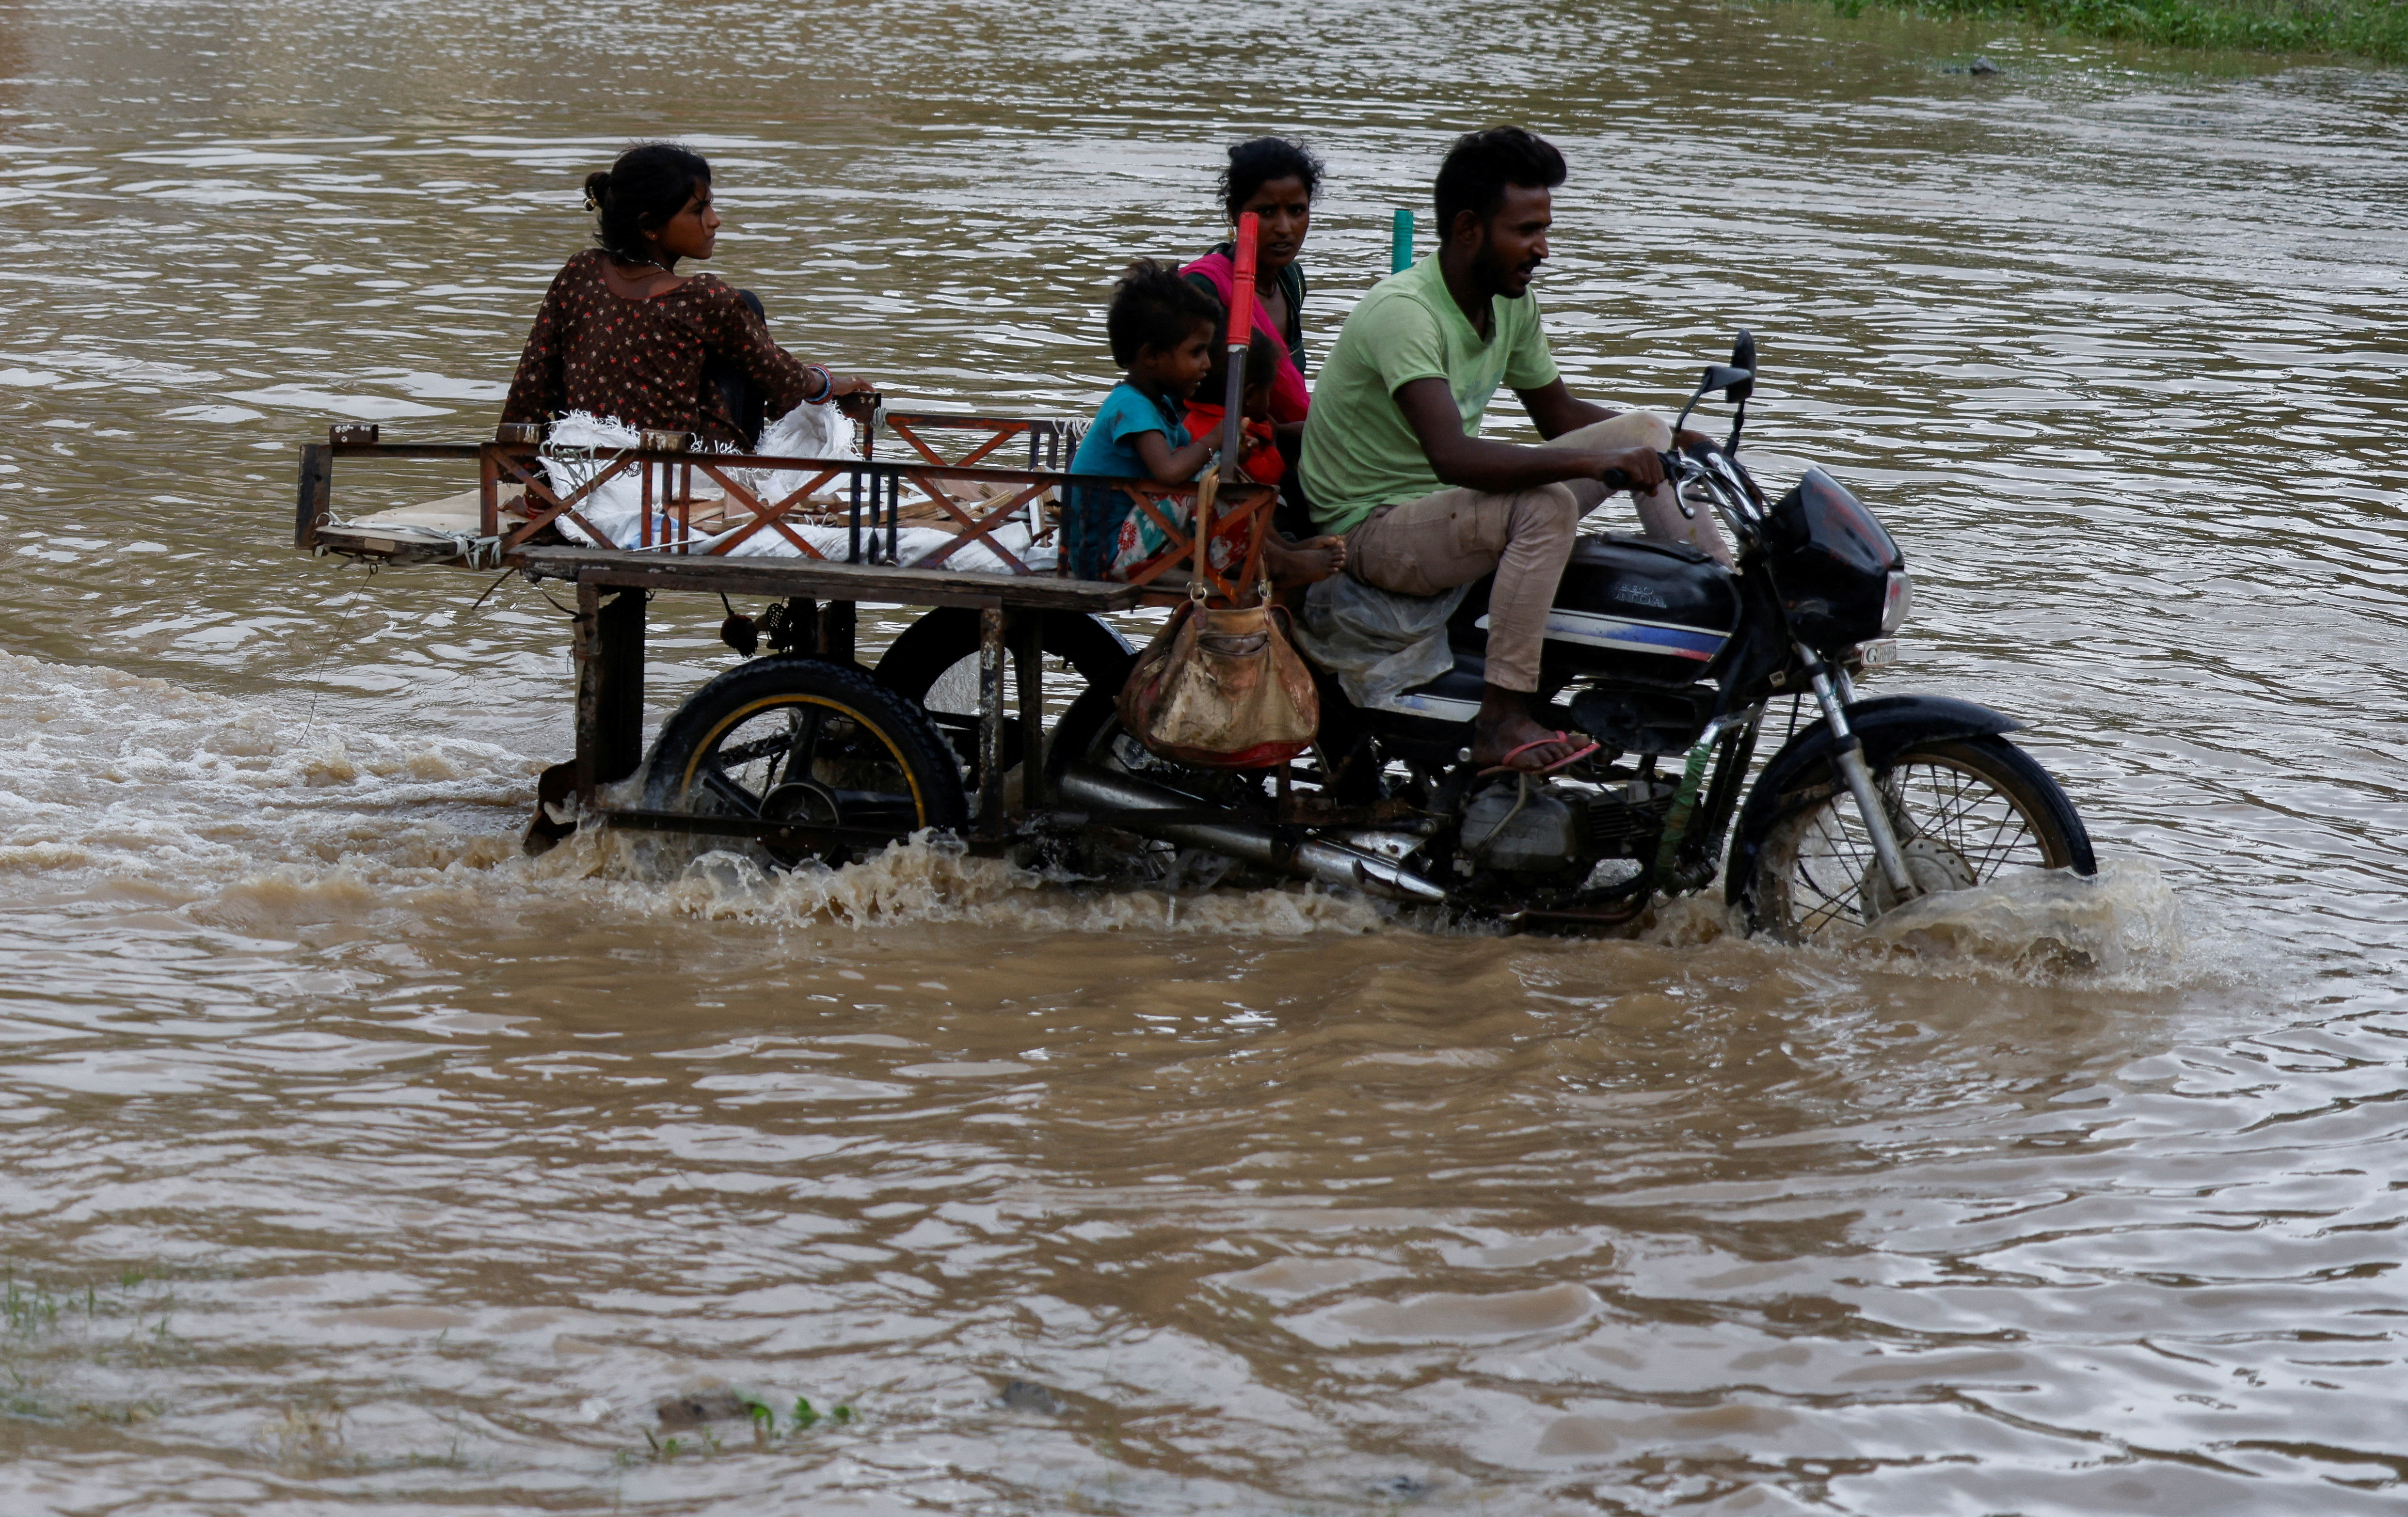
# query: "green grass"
2371,29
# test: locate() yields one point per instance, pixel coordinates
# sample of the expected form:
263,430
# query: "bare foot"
1291,564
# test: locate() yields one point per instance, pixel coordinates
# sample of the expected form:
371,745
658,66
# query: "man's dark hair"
1153,307
643,193
1256,163
1481,164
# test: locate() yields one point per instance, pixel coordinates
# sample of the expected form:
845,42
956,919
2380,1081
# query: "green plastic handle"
1400,242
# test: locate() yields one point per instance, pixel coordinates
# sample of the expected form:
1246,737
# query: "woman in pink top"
1275,178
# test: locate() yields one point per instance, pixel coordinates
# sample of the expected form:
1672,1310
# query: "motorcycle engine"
1519,828
1560,831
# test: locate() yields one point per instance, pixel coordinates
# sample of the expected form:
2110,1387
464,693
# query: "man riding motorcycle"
1392,455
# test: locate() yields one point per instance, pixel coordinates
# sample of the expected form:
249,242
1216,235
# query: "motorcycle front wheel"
1965,809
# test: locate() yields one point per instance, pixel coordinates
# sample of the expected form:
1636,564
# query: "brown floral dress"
641,363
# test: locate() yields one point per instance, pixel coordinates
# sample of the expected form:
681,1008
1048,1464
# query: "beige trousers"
1433,544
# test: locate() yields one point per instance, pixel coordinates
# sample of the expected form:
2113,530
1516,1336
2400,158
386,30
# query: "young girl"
1162,330
622,334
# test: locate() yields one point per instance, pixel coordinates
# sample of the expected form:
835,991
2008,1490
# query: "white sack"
616,507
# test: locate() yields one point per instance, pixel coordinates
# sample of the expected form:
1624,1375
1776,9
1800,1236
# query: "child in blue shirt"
1162,330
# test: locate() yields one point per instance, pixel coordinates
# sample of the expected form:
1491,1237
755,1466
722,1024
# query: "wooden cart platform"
502,525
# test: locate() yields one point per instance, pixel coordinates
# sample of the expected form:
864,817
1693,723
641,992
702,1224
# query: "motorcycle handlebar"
1620,479
1670,463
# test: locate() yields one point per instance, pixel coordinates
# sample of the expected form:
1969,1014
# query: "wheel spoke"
802,745
736,755
723,785
1965,809
1832,851
1996,854
1949,810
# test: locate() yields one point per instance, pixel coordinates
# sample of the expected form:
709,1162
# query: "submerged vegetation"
697,1412
51,1332
2372,29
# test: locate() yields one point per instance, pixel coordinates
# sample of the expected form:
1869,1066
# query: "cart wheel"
935,663
804,740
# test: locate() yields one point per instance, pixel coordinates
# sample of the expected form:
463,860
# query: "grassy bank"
2372,29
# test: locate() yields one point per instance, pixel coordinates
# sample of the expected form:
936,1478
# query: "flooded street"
355,1161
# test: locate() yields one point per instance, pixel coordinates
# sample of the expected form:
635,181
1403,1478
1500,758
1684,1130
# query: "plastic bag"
580,446
1376,641
811,430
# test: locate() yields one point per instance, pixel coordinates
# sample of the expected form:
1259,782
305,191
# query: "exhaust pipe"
1332,864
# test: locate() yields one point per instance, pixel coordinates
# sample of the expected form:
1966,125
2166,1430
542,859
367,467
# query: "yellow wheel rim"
745,712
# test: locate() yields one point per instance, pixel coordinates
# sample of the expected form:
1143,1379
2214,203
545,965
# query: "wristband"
828,385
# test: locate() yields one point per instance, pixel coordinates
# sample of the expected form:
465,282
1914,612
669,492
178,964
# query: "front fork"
1835,698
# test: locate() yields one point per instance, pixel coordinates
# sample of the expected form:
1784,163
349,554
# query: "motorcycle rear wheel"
1966,809
934,663
1091,733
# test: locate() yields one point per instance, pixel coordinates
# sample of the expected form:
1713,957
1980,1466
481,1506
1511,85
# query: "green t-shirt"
1358,452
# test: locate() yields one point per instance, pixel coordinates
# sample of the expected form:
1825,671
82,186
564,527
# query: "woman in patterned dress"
622,336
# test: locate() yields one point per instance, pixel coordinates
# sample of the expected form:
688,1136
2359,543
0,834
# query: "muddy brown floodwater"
353,1161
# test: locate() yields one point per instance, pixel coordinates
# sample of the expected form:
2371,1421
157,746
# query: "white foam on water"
123,786
120,779
127,774
2122,928
924,878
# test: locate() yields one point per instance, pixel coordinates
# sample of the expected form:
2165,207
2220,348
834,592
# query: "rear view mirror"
1735,380
1735,383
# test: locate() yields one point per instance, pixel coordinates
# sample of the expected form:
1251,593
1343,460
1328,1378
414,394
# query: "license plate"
1880,654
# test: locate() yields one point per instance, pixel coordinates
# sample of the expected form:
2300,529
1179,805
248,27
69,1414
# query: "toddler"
1259,458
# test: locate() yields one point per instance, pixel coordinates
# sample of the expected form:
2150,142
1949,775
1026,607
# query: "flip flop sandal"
1507,765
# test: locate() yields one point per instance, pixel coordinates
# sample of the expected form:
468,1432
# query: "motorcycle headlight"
1898,598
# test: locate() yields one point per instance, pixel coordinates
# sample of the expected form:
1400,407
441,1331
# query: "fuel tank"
1626,609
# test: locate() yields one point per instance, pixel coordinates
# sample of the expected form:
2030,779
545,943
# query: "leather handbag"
1222,689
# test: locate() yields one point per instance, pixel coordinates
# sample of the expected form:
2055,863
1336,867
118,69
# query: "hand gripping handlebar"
1620,479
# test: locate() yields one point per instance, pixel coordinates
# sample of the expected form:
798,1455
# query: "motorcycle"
1669,661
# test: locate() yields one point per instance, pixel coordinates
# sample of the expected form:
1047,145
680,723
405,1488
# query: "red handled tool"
1242,337
1233,417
